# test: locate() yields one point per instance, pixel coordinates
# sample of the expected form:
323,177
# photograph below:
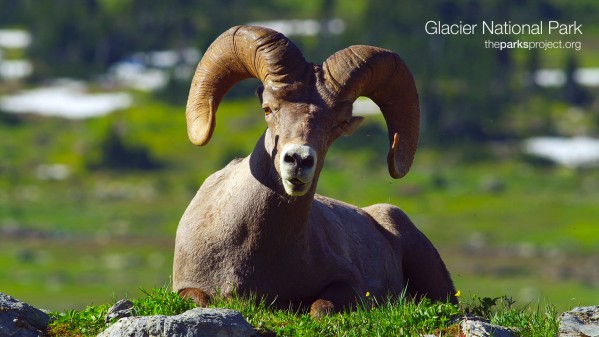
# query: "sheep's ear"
354,123
259,92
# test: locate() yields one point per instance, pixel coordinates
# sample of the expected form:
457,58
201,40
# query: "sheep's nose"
298,157
299,160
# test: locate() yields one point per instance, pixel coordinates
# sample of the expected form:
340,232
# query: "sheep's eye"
267,110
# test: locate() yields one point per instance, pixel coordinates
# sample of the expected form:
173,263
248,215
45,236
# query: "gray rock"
198,322
20,319
122,308
474,327
580,321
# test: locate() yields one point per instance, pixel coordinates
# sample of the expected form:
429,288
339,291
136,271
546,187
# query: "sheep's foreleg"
200,298
332,299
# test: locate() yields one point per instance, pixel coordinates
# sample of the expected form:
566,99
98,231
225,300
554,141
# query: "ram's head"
306,106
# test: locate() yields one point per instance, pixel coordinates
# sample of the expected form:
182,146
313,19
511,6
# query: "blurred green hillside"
89,207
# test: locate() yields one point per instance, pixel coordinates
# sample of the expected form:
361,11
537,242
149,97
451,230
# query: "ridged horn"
382,76
239,53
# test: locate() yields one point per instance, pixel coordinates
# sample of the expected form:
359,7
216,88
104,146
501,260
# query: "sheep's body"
258,226
239,234
337,243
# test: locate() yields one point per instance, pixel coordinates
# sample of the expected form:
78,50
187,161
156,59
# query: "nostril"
299,161
289,159
308,162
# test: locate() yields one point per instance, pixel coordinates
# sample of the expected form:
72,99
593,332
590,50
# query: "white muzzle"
297,164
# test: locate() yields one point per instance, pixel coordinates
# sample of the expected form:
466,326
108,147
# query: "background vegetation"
506,223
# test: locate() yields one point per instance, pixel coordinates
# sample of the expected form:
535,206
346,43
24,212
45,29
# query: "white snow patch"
569,152
69,101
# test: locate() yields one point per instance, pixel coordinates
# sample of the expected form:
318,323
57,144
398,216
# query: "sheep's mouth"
296,182
296,187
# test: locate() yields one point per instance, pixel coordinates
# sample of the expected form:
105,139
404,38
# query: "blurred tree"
573,92
532,66
463,85
12,13
117,154
80,38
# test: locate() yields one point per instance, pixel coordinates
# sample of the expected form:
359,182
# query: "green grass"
401,317
91,320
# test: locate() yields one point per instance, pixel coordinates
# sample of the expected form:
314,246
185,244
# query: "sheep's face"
302,124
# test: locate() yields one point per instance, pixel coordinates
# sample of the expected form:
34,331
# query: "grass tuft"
91,320
161,301
400,317
73,323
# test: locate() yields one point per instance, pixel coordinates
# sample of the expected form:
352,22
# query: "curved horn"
239,53
382,76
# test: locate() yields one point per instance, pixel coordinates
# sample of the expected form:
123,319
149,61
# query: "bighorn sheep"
257,225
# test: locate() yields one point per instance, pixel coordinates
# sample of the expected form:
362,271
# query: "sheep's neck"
280,218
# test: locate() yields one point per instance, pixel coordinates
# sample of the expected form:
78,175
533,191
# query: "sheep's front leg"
332,299
200,298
